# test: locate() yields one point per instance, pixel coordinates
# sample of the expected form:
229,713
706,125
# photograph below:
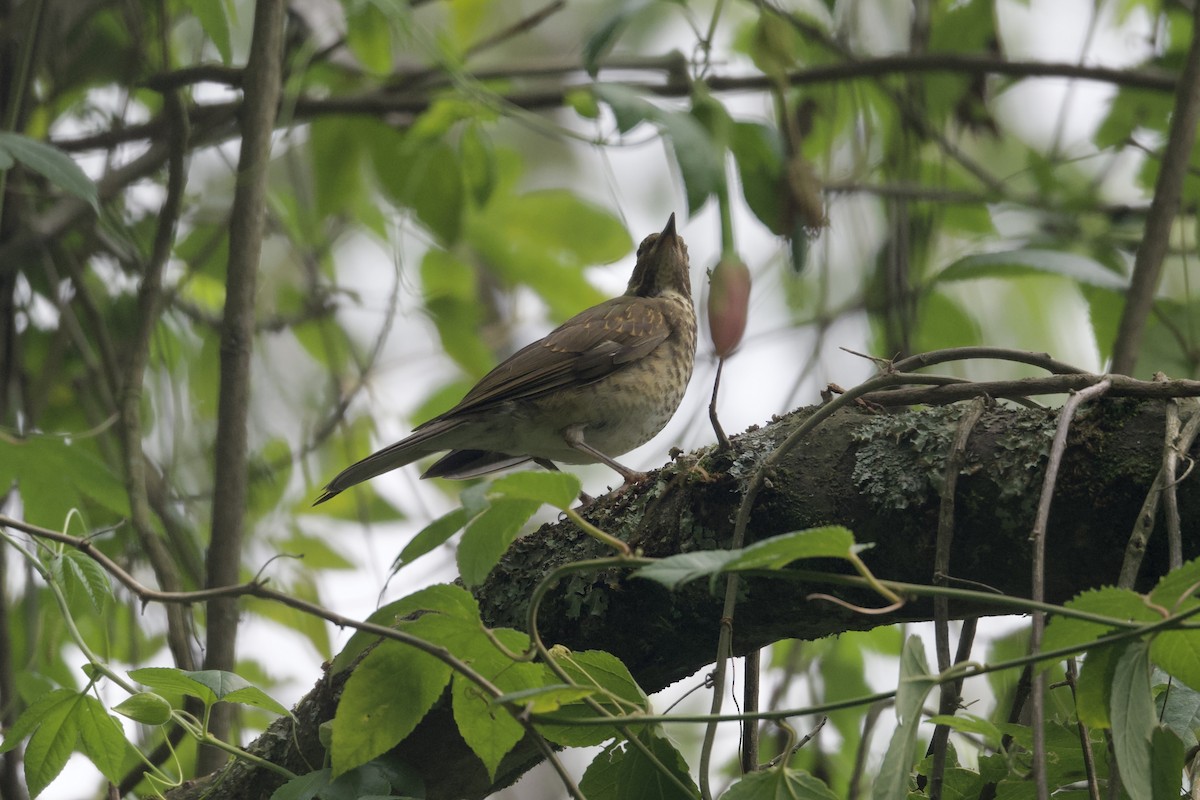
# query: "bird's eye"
645,245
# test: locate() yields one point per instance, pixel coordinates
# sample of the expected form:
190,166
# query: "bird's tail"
421,443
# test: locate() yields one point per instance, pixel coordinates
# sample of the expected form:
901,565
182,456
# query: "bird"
604,382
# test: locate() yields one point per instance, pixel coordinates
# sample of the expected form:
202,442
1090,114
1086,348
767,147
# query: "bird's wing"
583,350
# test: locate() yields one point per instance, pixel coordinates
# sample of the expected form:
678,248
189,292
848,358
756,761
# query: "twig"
953,392
1085,740
722,440
1135,548
955,459
752,674
1043,360
1038,541
1171,453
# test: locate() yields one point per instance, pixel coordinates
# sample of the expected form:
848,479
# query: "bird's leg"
574,438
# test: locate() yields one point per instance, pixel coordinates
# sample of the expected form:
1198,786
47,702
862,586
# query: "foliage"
428,186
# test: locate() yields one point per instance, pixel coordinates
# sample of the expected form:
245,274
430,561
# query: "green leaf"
614,689
377,711
478,163
628,107
33,715
214,19
271,467
102,738
584,103
443,598
674,571
319,553
1178,653
701,162
1177,587
969,723
425,176
369,36
172,680
601,42
1105,308
452,300
1133,721
210,686
1015,263
1094,691
220,682
488,536
147,708
1178,708
544,699
1120,604
57,475
1167,758
831,541
558,489
82,573
431,537
51,744
337,156
891,782
758,153
779,783
304,787
466,17
943,323
487,728
623,772
51,163
544,240
256,697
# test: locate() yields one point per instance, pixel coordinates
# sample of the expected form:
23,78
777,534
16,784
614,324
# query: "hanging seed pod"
728,304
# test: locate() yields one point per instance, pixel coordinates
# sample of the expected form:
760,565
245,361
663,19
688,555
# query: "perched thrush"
599,385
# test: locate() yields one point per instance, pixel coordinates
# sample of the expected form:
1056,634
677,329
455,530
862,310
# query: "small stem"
597,534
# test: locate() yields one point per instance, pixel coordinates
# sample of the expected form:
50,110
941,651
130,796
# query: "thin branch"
262,95
150,304
1043,360
1171,451
1121,386
955,460
1172,170
722,437
1038,540
751,680
1085,739
1135,547
387,100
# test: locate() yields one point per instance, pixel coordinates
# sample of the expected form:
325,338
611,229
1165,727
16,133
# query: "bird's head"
662,265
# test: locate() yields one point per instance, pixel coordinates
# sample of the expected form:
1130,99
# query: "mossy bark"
878,474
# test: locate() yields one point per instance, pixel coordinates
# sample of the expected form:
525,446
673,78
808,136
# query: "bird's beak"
668,231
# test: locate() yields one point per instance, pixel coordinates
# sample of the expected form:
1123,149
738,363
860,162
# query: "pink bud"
728,302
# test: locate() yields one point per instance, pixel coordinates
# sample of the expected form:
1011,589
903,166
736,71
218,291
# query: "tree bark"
877,474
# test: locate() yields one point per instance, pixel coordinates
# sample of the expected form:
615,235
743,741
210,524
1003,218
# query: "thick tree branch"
875,473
